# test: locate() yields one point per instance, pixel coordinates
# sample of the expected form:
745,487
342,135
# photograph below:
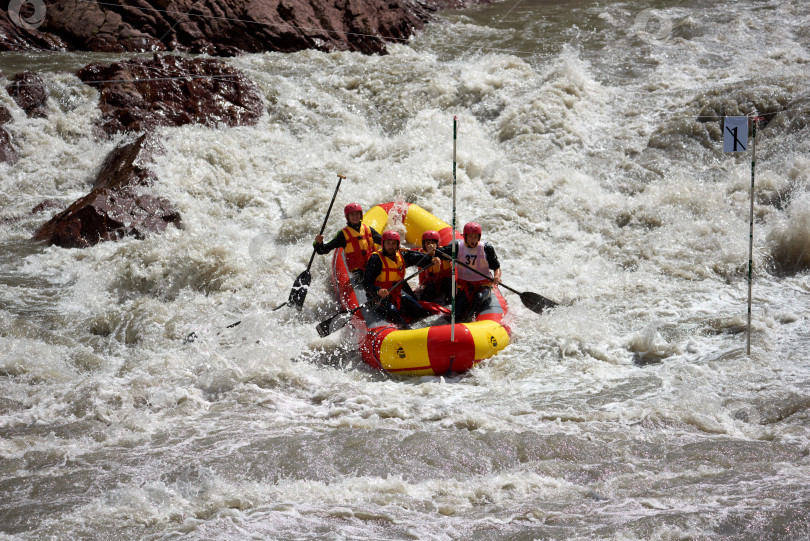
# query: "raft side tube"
430,350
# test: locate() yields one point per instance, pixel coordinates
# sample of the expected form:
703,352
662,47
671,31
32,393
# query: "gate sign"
735,134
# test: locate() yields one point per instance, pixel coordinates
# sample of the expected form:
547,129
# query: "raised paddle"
300,287
298,293
533,301
339,320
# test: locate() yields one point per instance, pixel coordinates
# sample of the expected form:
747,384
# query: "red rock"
172,91
116,207
14,37
220,27
28,90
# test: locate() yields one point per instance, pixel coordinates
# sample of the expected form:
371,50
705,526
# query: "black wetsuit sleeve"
492,258
417,259
446,250
376,237
338,242
373,269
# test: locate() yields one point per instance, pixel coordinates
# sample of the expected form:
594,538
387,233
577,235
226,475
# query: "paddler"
384,269
434,283
473,291
357,240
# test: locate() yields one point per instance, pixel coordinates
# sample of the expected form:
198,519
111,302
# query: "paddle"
300,287
339,320
298,293
533,301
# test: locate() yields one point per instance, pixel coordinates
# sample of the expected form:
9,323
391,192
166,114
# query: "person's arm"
373,268
492,261
418,259
447,250
376,237
338,242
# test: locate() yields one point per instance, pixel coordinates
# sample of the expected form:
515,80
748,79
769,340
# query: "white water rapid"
589,150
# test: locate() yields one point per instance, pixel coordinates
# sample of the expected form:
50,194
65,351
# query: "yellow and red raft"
426,350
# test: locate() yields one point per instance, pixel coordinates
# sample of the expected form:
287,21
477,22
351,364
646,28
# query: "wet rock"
5,115
143,93
7,153
117,206
18,37
222,27
48,204
28,90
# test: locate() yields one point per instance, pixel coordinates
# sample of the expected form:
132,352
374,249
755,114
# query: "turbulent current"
590,150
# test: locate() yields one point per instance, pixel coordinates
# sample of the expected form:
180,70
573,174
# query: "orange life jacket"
391,273
359,246
436,273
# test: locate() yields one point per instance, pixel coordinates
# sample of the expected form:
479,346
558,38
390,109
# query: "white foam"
599,190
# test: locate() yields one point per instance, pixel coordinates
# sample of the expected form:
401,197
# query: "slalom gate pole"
455,247
751,231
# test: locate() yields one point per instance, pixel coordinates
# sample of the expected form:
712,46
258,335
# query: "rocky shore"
215,27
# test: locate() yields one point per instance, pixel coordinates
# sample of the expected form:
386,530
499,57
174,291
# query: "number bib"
475,258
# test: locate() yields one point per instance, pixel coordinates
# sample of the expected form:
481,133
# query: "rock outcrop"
29,91
139,95
117,206
142,93
19,31
218,27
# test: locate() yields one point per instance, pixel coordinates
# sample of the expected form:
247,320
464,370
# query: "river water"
589,149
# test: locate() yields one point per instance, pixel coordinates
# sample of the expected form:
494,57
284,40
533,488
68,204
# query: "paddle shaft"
534,301
325,324
298,293
326,218
476,271
390,289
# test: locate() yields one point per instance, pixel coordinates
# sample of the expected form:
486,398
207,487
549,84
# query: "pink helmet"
351,207
430,235
390,235
472,228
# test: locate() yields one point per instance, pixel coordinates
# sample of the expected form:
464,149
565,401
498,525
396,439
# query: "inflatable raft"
426,350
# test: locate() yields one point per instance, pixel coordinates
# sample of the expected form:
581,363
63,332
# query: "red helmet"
351,207
472,228
430,235
390,235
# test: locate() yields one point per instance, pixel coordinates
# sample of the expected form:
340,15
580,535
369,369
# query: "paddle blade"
298,293
536,302
328,326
